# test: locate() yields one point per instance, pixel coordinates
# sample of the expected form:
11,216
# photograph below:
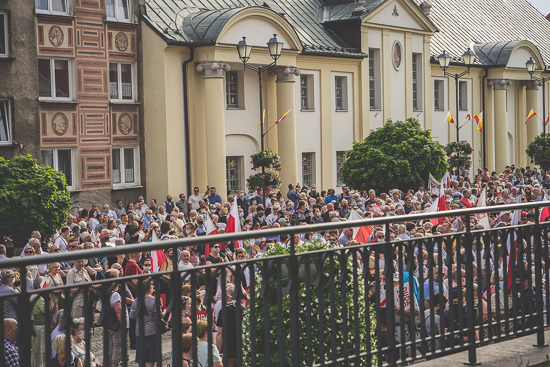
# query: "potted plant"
269,163
267,159
459,155
539,151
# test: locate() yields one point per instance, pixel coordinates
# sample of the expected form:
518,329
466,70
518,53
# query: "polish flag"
360,234
545,212
234,222
483,218
157,256
441,205
210,229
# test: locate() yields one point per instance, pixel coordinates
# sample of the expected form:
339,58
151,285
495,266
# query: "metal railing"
326,306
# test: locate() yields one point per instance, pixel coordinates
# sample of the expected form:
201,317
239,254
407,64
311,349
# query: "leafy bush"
539,151
318,309
459,155
398,155
32,197
270,163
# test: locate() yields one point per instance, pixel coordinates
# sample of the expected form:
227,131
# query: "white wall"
342,122
511,121
397,81
308,126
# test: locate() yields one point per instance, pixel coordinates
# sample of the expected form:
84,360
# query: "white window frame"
52,81
8,122
308,158
440,94
375,86
339,182
417,81
344,93
117,17
50,7
119,83
56,163
123,183
239,162
6,39
240,90
306,92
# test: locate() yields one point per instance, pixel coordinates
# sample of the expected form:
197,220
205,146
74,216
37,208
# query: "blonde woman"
53,280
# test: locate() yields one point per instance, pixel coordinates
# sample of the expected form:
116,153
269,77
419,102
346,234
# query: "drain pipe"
186,118
483,109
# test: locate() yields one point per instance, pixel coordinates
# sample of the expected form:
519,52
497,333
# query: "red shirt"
132,268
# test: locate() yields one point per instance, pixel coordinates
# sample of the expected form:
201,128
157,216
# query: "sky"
542,5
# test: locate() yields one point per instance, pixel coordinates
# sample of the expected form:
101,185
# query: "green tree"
32,197
397,155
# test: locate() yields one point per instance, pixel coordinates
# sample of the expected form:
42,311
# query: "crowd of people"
188,217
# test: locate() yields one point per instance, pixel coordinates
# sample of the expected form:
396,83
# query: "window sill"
117,188
118,22
439,110
236,108
306,110
376,109
57,101
418,110
121,103
342,110
7,58
6,144
54,15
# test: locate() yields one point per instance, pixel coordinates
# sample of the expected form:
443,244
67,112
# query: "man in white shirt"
194,200
61,240
184,264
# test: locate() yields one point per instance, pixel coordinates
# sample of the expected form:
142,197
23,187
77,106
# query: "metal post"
538,281
543,105
470,295
260,70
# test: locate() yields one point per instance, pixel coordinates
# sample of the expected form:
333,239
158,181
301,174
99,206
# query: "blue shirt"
331,198
294,197
212,199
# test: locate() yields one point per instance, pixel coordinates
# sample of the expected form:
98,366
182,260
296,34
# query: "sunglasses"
216,246
28,252
56,250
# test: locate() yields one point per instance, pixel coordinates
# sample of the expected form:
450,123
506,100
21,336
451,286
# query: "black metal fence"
385,302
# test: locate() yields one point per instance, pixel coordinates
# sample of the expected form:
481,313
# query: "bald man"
11,349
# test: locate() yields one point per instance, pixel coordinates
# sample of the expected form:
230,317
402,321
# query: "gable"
401,14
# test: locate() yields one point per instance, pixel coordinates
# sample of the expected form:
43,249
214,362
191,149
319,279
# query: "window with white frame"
463,95
121,82
375,87
306,92
4,40
439,95
54,78
5,122
52,6
234,172
60,159
340,159
417,81
308,169
119,10
341,93
232,89
124,166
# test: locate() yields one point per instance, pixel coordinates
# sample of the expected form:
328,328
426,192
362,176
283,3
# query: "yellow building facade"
346,68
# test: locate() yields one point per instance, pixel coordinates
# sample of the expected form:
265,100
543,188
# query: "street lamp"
531,66
444,62
275,47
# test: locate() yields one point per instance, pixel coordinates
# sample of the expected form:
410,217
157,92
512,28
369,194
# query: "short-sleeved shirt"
195,200
202,354
132,268
115,297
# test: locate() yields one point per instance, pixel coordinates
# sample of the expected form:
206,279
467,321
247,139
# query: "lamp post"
531,66
444,61
275,48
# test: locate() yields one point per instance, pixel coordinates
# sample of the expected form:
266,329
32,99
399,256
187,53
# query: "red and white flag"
483,218
234,222
210,229
516,217
284,115
441,205
360,234
157,256
433,185
545,212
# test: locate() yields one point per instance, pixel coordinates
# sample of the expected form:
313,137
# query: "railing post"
294,322
24,330
538,283
390,302
472,359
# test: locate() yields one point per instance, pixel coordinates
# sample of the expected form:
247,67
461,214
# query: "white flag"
433,185
483,218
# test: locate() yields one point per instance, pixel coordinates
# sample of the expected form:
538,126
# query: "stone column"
501,124
286,98
532,99
215,123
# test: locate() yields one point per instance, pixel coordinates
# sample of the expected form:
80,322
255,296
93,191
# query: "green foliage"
32,197
397,155
327,295
459,155
271,163
539,151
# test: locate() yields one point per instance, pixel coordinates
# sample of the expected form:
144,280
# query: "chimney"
426,8
548,16
358,11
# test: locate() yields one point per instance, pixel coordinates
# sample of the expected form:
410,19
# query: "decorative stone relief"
286,73
60,124
500,84
125,124
213,69
55,35
121,41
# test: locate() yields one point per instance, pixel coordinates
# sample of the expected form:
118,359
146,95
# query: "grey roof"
495,53
463,22
200,21
332,13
